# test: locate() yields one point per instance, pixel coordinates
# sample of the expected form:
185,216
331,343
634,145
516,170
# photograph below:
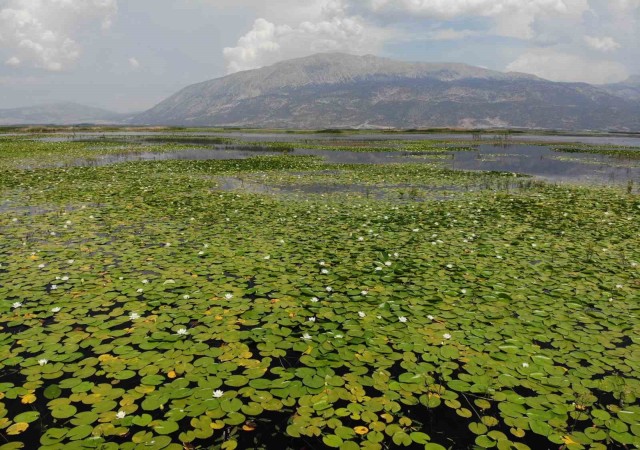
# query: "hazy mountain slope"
628,89
337,90
58,114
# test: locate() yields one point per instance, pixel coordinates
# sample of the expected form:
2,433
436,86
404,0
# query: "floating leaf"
17,428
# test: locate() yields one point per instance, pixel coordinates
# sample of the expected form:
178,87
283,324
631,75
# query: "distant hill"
628,89
338,90
59,114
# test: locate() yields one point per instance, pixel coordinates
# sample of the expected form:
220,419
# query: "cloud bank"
40,33
563,40
332,30
558,66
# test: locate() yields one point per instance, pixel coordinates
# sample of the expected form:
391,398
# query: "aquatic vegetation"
611,150
25,152
188,317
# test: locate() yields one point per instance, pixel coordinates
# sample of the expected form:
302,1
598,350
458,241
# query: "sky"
128,55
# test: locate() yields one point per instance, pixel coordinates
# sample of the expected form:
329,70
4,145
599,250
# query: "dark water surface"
544,163
606,139
534,160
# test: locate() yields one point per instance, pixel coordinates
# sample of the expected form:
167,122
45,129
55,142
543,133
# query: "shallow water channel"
538,161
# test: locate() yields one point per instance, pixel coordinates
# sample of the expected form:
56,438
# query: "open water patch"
539,161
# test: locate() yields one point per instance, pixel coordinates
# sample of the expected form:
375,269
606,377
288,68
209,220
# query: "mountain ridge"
59,113
335,90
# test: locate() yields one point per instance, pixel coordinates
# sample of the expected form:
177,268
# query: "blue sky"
129,55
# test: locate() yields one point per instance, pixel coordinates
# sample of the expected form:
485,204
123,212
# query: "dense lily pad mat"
25,152
141,308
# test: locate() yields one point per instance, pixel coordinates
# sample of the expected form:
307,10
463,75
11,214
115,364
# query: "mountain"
58,114
338,90
628,89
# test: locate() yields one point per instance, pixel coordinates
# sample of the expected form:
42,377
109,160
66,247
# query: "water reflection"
607,139
534,160
544,163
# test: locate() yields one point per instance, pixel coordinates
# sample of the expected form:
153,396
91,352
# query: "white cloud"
602,44
40,33
13,62
331,30
559,66
134,63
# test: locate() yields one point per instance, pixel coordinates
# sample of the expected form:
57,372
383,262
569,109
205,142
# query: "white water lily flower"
306,336
322,263
361,238
450,266
365,292
312,319
43,361
186,296
402,319
430,317
619,286
415,230
387,263
324,271
182,332
362,314
55,309
446,336
315,299
140,291
120,415
463,291
145,281
525,365
71,261
134,316
267,257
16,305
329,289
228,296
396,254
41,266
54,287
218,393
65,278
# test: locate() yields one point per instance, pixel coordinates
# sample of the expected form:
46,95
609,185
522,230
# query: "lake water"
605,139
534,160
